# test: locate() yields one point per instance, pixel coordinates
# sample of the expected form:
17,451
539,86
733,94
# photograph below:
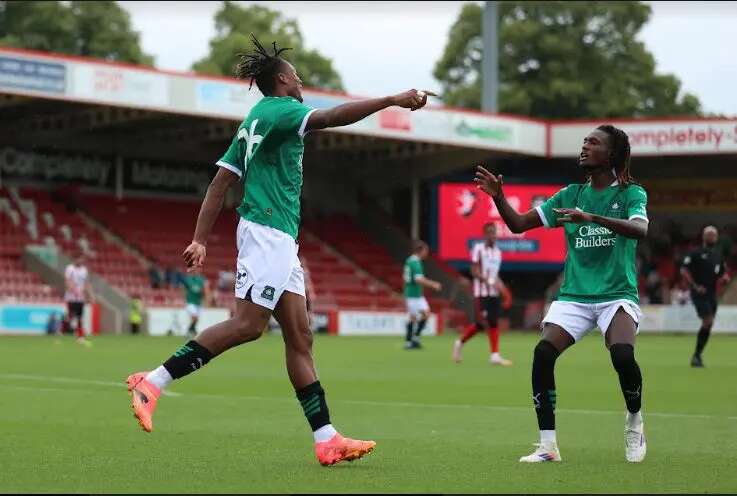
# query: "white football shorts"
415,306
193,310
579,318
267,264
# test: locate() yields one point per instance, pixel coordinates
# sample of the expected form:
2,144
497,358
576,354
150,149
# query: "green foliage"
100,29
234,24
563,60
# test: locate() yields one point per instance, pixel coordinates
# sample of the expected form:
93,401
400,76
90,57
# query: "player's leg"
471,329
620,339
564,324
245,326
194,313
706,309
424,314
330,446
492,313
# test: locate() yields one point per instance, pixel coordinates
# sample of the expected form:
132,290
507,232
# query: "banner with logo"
120,85
32,318
463,210
56,167
683,318
35,75
668,137
164,321
369,323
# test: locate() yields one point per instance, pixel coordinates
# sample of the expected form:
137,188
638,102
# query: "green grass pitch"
235,426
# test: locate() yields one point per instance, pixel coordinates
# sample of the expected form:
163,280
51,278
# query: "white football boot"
635,445
547,452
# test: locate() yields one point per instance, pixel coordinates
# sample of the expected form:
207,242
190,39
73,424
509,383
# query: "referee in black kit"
702,269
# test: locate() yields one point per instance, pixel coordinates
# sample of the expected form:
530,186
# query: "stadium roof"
26,73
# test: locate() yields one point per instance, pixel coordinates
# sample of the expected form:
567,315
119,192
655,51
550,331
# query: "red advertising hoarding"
463,211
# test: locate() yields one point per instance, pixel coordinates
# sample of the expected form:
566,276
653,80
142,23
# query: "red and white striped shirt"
489,259
76,280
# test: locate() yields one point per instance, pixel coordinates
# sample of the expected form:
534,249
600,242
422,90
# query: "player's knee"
545,353
247,330
301,343
623,355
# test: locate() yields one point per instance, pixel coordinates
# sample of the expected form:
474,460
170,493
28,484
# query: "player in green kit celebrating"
603,220
195,290
266,155
417,306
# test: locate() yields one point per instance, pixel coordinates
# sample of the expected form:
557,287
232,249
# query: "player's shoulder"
635,190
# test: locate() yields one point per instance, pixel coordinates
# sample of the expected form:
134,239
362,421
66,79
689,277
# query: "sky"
382,48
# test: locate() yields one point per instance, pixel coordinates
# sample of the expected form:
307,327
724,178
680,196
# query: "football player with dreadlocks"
266,155
603,220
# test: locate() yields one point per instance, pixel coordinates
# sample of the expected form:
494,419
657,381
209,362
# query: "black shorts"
706,304
487,310
75,309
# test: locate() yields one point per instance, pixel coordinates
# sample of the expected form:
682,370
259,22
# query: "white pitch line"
72,380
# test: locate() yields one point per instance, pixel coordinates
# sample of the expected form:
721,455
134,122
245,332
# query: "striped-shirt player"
486,259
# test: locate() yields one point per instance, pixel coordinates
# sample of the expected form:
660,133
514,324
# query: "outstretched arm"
492,186
352,112
194,254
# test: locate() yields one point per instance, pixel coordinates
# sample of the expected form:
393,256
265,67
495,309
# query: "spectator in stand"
155,277
135,315
680,294
174,277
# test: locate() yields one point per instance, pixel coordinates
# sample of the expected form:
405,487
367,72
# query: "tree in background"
233,25
100,29
563,60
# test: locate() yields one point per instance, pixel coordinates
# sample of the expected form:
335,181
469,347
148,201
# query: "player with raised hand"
603,220
266,155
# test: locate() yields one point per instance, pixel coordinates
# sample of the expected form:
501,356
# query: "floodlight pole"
490,58
415,207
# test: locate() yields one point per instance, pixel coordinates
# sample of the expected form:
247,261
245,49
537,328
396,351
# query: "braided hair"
619,153
260,66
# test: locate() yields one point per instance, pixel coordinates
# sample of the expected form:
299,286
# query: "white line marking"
72,380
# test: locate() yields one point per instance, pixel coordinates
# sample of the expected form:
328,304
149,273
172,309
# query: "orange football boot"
341,448
144,396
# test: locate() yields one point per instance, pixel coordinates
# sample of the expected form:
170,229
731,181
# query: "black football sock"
192,328
701,339
312,399
420,327
630,377
187,359
408,335
543,384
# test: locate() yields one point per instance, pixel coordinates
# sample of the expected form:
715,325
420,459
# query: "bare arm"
428,283
492,186
194,254
686,273
352,112
476,270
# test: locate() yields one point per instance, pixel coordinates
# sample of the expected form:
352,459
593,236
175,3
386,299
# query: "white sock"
496,356
160,377
634,420
324,433
547,438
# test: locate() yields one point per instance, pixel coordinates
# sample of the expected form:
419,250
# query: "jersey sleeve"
637,204
548,217
232,159
293,117
417,270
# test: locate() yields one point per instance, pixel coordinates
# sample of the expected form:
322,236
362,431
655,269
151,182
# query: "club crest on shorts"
268,293
241,278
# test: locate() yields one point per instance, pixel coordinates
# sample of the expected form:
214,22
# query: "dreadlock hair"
260,66
619,153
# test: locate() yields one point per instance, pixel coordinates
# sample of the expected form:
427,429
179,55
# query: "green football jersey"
194,289
266,153
600,265
412,269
